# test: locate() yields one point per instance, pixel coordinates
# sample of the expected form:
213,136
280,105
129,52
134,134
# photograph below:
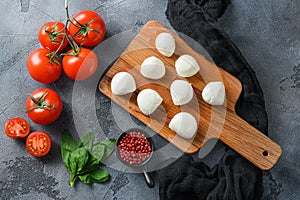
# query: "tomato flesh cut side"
38,144
17,128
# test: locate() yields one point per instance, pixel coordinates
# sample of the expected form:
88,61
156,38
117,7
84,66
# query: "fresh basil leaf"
109,148
87,141
113,140
67,145
68,142
91,163
97,175
82,159
102,150
100,175
98,151
78,159
65,157
72,179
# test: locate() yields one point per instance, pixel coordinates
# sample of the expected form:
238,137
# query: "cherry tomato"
87,28
42,67
38,144
80,66
43,106
51,36
17,128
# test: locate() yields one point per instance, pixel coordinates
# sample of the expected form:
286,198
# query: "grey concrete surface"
266,31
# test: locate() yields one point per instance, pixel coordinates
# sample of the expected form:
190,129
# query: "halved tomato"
17,128
38,143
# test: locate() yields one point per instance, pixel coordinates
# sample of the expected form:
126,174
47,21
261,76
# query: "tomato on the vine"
38,144
51,36
17,128
43,66
43,106
80,64
87,28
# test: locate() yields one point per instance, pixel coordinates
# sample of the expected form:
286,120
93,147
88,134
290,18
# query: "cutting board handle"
249,142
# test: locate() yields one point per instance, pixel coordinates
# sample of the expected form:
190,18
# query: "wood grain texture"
214,121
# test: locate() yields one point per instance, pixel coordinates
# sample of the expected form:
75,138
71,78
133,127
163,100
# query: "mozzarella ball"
214,93
165,44
186,66
153,68
184,124
148,100
123,83
181,92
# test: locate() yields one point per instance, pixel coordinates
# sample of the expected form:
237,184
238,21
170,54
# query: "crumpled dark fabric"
233,177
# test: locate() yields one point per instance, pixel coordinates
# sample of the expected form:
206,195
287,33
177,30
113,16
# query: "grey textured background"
266,31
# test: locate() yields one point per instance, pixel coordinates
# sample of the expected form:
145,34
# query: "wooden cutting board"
214,121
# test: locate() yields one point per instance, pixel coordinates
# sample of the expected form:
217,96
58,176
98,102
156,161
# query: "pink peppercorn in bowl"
134,149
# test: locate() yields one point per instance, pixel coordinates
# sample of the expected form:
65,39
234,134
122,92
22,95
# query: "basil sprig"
82,158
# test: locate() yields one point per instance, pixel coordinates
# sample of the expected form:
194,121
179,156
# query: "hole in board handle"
265,153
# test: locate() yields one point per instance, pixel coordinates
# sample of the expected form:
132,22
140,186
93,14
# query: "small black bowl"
148,178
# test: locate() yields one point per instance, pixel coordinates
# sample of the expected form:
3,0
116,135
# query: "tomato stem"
84,29
66,4
73,45
68,15
51,56
41,103
53,34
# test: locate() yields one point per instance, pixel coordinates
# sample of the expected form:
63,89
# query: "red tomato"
80,66
43,106
41,68
17,128
38,144
87,28
51,36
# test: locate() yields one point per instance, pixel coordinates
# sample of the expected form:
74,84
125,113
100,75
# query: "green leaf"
68,142
87,141
78,159
102,150
113,140
98,151
72,180
67,145
91,163
82,159
109,148
65,157
97,175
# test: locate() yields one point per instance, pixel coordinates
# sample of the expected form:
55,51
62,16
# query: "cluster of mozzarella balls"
148,100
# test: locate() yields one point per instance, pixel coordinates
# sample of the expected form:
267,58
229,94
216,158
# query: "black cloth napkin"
233,177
